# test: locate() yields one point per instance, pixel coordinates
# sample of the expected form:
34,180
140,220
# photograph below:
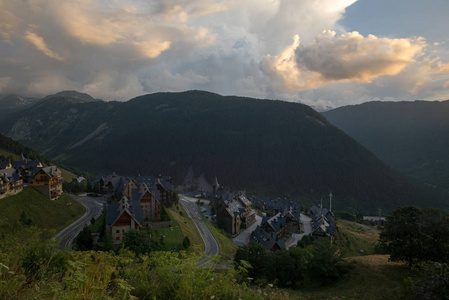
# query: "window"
117,231
117,238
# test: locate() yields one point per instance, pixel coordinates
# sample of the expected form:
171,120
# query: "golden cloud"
348,57
39,43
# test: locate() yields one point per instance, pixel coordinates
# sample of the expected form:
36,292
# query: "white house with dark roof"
122,217
323,222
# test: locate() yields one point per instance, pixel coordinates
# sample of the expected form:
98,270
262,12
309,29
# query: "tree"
325,264
186,242
282,268
256,256
414,235
84,241
89,187
139,241
175,198
24,219
164,214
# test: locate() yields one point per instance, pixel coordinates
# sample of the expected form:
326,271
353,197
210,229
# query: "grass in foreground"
372,277
355,239
227,246
172,236
187,227
40,211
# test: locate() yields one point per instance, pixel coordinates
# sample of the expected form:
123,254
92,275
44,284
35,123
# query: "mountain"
268,147
412,137
73,94
14,103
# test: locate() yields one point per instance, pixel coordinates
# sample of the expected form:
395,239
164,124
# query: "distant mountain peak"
73,94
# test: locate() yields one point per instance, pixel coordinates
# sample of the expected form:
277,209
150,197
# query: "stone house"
234,211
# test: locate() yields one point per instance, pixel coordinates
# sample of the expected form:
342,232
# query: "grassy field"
42,212
227,245
187,227
355,239
371,277
172,236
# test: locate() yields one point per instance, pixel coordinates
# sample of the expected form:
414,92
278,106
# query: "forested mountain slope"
412,137
272,147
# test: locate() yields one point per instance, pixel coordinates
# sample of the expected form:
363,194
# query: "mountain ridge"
270,147
409,136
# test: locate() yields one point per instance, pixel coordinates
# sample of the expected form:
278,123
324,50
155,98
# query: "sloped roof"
4,164
115,210
260,236
139,192
276,222
267,239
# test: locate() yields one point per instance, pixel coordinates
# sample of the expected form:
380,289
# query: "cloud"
114,85
169,82
118,49
348,57
39,43
4,82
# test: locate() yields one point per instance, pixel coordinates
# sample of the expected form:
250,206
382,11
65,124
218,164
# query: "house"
25,167
122,217
374,219
79,179
10,182
267,239
285,208
47,180
165,186
5,165
114,183
276,224
234,211
323,223
149,198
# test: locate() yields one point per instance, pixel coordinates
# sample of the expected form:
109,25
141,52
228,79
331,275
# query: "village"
140,202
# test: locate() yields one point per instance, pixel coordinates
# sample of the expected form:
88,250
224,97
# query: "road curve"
94,207
211,247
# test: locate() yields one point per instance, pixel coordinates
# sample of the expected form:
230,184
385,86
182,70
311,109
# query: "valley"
272,149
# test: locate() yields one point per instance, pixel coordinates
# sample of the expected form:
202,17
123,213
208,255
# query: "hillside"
412,137
270,147
11,150
41,212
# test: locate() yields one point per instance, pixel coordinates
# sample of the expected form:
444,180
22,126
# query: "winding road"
94,207
211,247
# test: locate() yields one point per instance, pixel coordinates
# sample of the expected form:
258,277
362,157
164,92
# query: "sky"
323,53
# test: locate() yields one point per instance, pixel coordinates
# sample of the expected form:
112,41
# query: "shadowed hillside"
273,147
412,137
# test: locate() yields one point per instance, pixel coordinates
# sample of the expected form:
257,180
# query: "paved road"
211,247
94,207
